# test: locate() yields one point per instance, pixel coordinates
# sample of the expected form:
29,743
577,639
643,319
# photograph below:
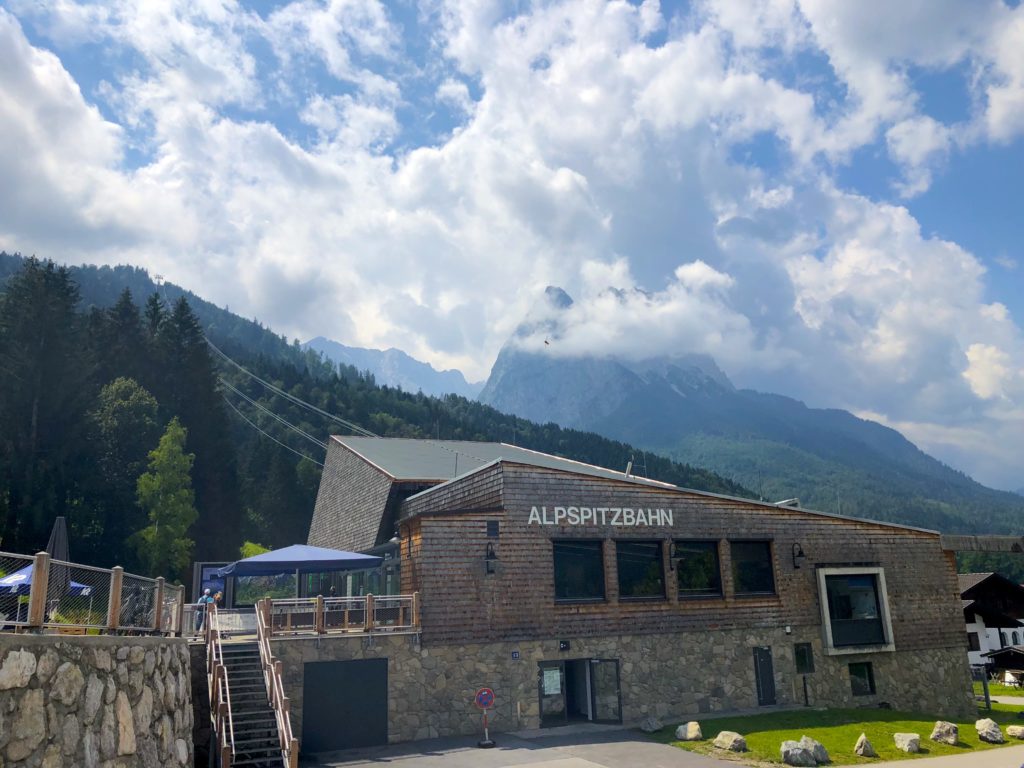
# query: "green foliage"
251,549
165,494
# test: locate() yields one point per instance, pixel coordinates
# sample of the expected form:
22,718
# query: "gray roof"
407,459
968,580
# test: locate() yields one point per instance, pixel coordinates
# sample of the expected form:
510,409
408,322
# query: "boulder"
29,727
731,741
863,747
817,749
689,732
1015,731
988,730
649,724
67,684
17,670
945,733
907,742
794,753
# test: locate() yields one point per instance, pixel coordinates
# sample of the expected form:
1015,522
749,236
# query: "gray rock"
149,664
101,659
988,730
17,670
52,758
793,753
93,699
1015,731
731,741
90,750
907,742
817,749
46,665
863,747
70,734
122,653
689,731
136,654
144,711
125,726
67,684
650,724
110,692
108,733
945,733
29,727
181,747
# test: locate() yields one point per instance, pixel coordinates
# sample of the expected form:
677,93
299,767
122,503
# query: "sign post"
484,699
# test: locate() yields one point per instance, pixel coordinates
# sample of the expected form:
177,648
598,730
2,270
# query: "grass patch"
997,689
838,730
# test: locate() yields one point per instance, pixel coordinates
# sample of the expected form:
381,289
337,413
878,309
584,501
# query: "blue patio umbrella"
300,558
20,583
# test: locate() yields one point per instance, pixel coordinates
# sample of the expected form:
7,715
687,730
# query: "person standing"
201,606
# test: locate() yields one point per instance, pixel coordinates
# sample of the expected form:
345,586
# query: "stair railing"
221,717
275,688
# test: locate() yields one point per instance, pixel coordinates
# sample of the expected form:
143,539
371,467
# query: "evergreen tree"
123,349
165,494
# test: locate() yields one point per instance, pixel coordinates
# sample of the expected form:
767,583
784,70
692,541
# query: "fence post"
368,618
114,606
416,609
158,604
179,623
319,618
37,593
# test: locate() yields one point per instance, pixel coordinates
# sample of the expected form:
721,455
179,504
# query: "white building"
991,605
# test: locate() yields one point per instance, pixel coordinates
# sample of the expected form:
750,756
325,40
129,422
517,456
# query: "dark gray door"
765,674
551,687
345,704
604,687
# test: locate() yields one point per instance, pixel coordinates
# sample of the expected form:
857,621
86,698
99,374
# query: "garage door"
345,704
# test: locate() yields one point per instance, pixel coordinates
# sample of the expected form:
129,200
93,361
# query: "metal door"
764,672
604,690
345,704
551,688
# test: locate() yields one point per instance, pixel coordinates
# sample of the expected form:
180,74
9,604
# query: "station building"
580,593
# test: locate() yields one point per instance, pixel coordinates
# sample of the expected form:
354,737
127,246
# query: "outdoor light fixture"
672,555
798,555
490,558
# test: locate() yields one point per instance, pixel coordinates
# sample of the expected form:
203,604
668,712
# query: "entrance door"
551,686
604,686
345,704
765,675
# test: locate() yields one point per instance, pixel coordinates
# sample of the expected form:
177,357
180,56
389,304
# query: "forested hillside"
97,363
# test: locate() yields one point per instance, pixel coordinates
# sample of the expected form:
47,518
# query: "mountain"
684,407
394,368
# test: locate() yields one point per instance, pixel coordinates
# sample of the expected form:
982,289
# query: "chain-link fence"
138,596
15,586
171,614
77,595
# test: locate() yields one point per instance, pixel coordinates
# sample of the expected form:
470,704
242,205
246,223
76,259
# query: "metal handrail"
275,687
219,688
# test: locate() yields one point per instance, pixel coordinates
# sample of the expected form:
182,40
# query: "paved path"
1015,700
1006,757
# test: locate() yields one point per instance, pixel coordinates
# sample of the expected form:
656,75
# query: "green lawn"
838,730
998,689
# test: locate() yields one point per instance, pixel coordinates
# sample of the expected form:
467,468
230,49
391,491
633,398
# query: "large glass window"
854,610
579,570
640,570
752,572
973,642
862,679
697,570
803,654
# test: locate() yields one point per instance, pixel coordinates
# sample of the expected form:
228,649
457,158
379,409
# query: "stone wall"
94,701
671,676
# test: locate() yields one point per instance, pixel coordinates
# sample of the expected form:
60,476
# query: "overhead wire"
255,426
273,415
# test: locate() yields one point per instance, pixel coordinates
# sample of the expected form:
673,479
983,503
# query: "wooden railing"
340,615
221,717
275,688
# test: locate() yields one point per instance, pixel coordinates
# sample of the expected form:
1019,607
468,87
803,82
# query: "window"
973,642
579,570
697,570
640,570
804,655
1005,638
854,609
752,572
1016,639
862,679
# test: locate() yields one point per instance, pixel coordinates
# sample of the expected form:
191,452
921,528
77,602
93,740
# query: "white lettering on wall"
620,517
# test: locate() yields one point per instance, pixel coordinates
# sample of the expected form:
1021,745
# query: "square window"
804,655
640,569
862,679
698,573
973,642
579,570
855,611
752,570
492,529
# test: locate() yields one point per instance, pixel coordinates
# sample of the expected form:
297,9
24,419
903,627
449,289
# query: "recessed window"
973,642
862,679
854,609
804,655
579,570
752,572
697,570
640,570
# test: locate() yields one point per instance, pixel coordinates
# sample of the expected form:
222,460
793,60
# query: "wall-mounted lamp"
798,555
490,559
672,555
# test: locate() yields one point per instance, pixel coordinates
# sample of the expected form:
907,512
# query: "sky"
824,196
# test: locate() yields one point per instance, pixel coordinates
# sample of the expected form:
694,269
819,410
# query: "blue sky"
822,195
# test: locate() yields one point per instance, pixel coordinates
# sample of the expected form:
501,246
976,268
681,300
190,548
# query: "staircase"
257,742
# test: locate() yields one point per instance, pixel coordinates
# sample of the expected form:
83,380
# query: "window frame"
797,647
674,567
871,678
771,564
882,593
618,572
554,571
973,641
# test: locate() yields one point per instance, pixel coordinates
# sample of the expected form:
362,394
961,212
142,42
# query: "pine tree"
165,494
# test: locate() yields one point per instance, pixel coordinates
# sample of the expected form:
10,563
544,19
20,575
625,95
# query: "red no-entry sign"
484,698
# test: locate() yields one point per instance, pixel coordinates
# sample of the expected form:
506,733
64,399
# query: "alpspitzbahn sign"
617,516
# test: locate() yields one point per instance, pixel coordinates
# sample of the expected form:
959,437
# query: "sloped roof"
968,580
407,459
